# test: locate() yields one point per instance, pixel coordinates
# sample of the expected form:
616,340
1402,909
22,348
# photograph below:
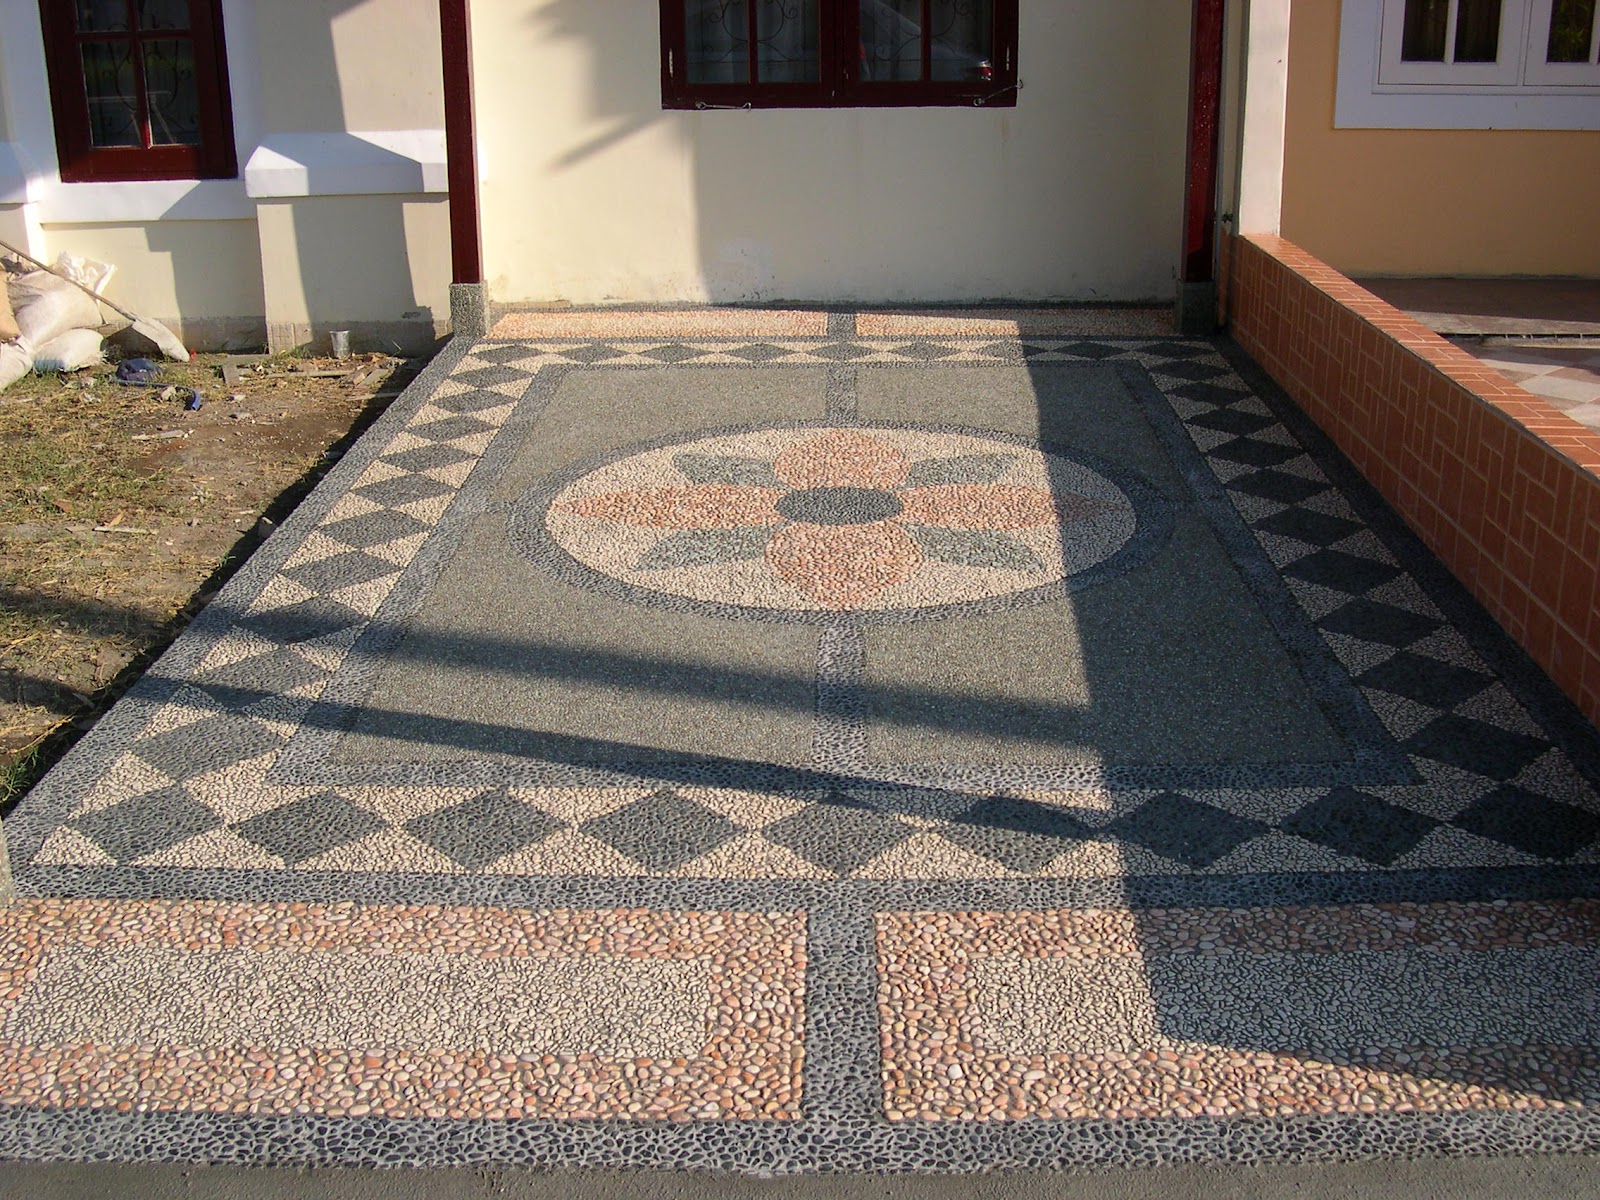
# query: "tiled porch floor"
819,742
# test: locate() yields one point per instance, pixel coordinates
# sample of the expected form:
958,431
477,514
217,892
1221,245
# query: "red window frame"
81,161
839,84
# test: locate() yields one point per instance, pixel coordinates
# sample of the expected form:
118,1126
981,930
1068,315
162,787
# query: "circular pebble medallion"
804,522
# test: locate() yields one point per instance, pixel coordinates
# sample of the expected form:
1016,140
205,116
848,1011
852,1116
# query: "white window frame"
1445,96
1549,74
1392,69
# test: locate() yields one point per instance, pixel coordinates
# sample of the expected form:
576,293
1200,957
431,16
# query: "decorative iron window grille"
838,53
138,89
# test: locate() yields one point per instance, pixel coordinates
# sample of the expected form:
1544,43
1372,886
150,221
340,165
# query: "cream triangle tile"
455,474
1102,860
404,441
378,471
69,848
241,791
1401,717
187,706
427,415
366,597
1497,706
129,776
1317,601
235,646
1403,592
326,653
280,592
1283,550
316,547
577,805
476,444
217,848
514,388
1555,776
429,510
929,856
568,853
749,856
349,505
283,714
457,387
400,551
1451,847
1357,654
1448,644
748,810
387,850
399,805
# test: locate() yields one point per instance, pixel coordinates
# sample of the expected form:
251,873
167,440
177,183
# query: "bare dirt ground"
122,513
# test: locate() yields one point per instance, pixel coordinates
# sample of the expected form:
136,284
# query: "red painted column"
1205,120
460,139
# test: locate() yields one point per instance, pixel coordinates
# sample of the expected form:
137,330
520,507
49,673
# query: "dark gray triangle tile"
1211,393
1308,525
759,352
595,352
252,679
450,429
1238,421
341,571
1476,746
1093,350
147,824
1018,834
309,827
1194,372
841,351
489,826
488,377
1425,680
471,402
1531,823
1253,452
1342,572
313,618
1375,622
505,355
663,830
206,745
838,834
1279,486
1176,348
373,528
927,351
1357,825
673,353
1176,827
427,458
403,489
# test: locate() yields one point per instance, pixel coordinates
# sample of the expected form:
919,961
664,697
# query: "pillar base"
469,309
1197,309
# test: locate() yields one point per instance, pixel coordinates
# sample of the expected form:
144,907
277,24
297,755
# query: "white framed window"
1469,64
1564,44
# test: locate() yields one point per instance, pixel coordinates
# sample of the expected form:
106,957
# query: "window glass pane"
113,101
163,14
102,16
1478,31
718,41
170,89
787,34
1422,39
1571,30
891,40
963,40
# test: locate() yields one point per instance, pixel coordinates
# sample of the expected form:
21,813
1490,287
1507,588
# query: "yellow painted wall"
593,194
1429,202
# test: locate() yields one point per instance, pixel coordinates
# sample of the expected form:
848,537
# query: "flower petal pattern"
709,506
843,566
842,458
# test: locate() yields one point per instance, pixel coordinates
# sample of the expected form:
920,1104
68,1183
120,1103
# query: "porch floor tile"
819,741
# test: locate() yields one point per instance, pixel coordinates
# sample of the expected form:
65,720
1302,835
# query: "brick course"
1501,485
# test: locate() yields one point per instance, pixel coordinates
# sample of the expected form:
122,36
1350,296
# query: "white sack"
72,351
15,362
47,307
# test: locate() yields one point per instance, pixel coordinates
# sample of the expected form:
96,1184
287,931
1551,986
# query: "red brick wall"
1504,488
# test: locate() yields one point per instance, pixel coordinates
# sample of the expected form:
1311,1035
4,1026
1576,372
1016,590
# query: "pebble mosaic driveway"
819,742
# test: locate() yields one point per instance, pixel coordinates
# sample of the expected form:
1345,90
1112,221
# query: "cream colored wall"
1429,202
349,64
169,268
592,194
355,261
